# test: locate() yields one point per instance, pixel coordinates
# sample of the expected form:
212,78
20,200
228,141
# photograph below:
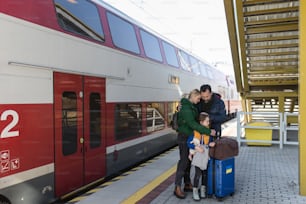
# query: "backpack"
174,121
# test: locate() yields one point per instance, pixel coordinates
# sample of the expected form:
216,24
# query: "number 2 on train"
7,131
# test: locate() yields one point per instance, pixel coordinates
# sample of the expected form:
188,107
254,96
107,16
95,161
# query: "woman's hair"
195,92
203,116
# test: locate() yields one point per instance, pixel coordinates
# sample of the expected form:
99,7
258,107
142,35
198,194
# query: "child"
195,147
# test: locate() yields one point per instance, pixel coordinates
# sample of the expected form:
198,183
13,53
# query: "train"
86,91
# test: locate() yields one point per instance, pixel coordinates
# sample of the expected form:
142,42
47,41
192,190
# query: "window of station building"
128,120
151,46
69,123
170,54
155,116
194,65
123,33
80,17
183,56
95,120
172,107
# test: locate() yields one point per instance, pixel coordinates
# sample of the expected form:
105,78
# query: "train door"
79,131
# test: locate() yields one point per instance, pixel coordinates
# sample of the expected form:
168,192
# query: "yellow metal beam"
302,100
279,71
271,11
273,82
281,104
258,2
276,46
272,53
271,21
288,59
270,94
274,38
242,43
230,17
273,28
275,67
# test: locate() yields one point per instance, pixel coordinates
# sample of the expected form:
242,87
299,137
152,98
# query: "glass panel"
127,120
81,17
155,117
123,33
95,120
195,65
69,123
170,54
172,107
209,72
184,60
151,46
203,70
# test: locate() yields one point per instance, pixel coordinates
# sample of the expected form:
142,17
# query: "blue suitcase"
221,177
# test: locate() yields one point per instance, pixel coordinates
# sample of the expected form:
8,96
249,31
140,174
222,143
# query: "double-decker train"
85,92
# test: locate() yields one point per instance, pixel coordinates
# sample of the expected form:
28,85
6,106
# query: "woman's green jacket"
188,119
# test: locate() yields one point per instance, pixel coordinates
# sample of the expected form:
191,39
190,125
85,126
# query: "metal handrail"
241,126
286,128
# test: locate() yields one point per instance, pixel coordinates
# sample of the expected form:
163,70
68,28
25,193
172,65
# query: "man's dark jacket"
216,110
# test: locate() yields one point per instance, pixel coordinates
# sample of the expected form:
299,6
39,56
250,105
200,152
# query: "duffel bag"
225,147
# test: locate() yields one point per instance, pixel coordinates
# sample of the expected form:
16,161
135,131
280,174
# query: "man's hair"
205,87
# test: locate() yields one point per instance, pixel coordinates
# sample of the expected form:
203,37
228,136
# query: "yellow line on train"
150,186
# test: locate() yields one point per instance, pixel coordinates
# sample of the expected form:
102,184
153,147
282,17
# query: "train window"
123,33
69,123
171,109
80,17
128,120
209,73
203,70
194,65
155,117
95,120
170,54
183,56
151,46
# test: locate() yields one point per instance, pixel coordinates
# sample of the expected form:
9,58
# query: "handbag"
200,159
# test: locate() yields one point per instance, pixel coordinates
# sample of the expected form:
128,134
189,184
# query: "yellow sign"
228,171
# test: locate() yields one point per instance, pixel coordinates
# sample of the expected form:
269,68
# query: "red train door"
94,128
79,131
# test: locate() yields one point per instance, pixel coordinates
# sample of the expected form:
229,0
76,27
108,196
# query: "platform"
263,175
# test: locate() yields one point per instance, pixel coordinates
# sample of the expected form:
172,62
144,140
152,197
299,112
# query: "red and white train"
85,92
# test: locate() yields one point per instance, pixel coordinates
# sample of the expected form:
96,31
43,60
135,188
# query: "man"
212,104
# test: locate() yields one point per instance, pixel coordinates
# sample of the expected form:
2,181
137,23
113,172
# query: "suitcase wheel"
220,199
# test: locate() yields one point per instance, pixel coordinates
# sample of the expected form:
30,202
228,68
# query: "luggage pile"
221,168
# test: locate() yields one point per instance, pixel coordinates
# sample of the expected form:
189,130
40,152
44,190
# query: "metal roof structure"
264,38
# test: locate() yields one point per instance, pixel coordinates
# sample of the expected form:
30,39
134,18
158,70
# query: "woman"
187,120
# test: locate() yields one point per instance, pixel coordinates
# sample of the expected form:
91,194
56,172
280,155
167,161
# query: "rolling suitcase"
221,178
